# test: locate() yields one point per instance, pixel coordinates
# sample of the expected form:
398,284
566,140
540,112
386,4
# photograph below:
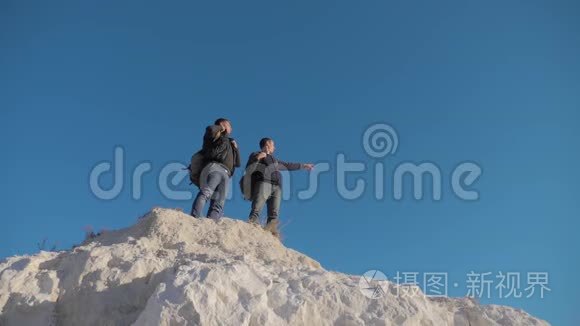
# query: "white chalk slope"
171,269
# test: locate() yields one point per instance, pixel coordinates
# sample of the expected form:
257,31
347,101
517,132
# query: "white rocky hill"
171,269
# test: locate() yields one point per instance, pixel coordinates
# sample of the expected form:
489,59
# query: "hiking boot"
254,222
272,227
276,235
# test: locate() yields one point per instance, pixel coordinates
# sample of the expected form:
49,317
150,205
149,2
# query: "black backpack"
195,167
248,180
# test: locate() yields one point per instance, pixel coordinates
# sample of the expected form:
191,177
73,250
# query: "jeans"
266,193
214,187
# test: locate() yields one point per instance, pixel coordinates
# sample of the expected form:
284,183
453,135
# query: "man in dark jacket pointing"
267,183
221,157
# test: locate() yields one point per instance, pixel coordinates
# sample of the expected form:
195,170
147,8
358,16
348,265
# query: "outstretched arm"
296,166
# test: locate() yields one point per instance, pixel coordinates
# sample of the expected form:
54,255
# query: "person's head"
267,145
225,123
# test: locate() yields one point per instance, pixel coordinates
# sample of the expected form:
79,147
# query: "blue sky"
492,82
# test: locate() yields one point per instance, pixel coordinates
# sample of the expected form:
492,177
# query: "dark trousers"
271,195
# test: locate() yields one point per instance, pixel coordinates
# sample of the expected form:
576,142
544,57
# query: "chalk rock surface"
171,269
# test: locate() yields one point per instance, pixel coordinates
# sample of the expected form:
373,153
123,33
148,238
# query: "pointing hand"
309,166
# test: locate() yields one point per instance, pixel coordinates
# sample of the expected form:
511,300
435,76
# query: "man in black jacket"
267,183
221,157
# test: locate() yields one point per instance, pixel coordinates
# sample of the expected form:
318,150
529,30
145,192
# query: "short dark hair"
264,141
220,120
